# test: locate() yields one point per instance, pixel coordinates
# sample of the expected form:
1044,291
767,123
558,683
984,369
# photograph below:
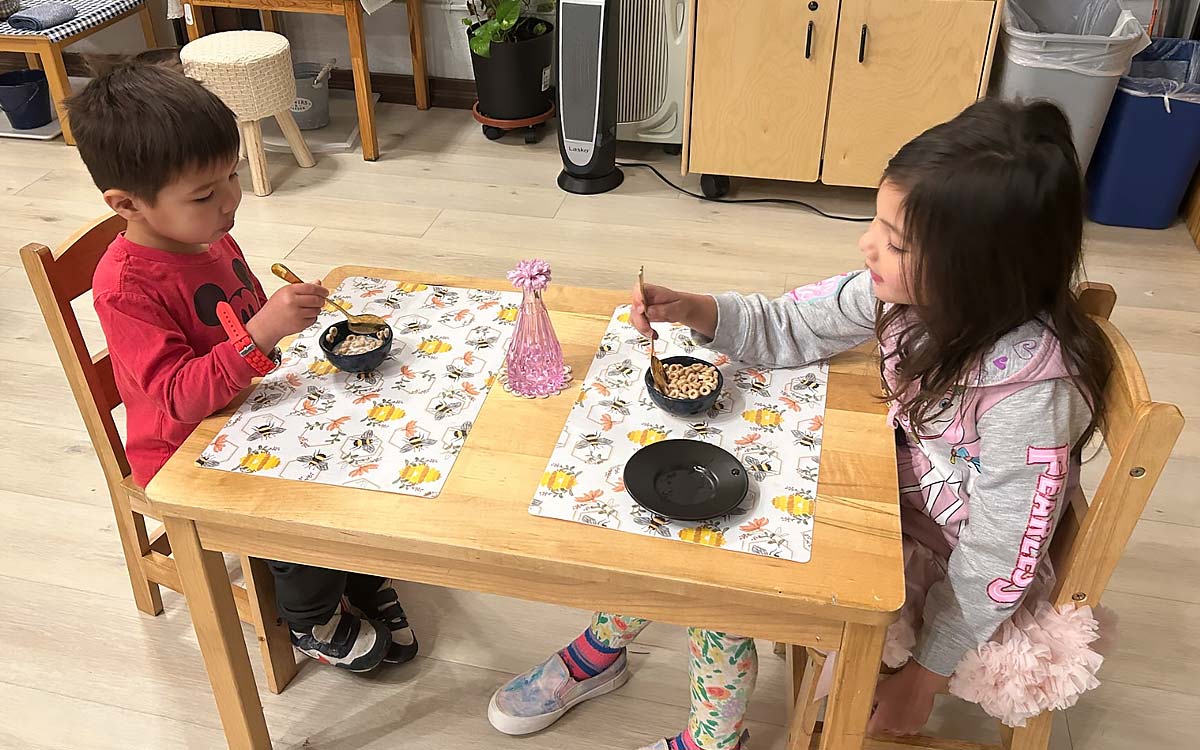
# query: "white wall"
317,38
126,36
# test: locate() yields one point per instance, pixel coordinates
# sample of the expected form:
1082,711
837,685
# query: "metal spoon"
657,371
361,324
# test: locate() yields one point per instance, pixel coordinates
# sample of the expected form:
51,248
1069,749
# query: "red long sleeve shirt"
173,362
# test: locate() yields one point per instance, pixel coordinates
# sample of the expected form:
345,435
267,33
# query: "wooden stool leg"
33,61
148,26
252,137
295,139
60,85
279,658
1035,735
416,42
363,97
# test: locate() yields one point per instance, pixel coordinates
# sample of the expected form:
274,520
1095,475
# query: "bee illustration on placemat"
412,438
806,439
652,523
703,431
753,380
592,448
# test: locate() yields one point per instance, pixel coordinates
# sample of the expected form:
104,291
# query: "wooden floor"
83,669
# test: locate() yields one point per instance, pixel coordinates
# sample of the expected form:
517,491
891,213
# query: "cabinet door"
760,87
902,67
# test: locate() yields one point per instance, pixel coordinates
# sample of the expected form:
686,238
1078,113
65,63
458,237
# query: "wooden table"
351,10
479,535
44,53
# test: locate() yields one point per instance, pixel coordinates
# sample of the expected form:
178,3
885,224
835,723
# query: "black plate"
686,480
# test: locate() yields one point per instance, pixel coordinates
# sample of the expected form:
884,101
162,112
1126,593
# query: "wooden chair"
1090,538
57,279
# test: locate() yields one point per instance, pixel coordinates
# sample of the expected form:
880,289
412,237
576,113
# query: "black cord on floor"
776,201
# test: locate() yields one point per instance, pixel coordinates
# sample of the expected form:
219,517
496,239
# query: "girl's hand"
903,701
663,305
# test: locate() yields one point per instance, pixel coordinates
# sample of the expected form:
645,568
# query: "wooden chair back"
1140,434
58,279
57,282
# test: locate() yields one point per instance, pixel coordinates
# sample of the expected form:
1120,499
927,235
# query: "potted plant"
511,52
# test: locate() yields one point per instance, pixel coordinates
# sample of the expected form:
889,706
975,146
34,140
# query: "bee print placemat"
397,429
770,419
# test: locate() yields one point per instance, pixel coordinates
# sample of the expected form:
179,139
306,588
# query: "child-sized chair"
251,71
57,279
1090,538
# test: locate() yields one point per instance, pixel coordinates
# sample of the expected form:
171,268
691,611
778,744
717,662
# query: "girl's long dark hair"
993,216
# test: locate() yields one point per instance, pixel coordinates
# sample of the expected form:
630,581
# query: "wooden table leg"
148,26
279,658
219,632
416,42
195,21
60,85
363,96
1035,735
852,693
33,61
268,21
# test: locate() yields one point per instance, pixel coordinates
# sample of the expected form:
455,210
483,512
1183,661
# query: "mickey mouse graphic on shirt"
244,300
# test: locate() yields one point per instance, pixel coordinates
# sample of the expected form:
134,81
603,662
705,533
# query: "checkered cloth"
91,13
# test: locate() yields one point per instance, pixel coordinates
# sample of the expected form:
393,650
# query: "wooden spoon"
360,324
657,371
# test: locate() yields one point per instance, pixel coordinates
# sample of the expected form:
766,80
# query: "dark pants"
307,596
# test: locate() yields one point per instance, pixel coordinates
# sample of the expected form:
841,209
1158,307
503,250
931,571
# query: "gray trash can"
311,106
1072,52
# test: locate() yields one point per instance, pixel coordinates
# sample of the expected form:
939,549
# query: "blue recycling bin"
1150,145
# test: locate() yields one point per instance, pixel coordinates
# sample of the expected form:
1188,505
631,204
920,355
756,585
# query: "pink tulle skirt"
1040,659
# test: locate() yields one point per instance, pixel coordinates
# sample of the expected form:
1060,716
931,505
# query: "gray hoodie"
981,485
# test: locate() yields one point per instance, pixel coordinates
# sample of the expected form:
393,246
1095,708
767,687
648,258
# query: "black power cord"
776,201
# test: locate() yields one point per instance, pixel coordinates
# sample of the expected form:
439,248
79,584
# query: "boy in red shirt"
189,326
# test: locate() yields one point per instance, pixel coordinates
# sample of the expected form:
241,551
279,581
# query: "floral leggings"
721,672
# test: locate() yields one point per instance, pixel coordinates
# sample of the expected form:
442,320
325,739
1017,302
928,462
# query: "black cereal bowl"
365,362
684,407
686,480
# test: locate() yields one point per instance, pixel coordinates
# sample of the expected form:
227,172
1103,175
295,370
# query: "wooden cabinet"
760,86
769,99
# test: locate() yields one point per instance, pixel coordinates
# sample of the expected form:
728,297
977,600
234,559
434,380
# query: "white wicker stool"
251,71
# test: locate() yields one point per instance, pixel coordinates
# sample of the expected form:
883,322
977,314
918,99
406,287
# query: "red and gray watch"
245,346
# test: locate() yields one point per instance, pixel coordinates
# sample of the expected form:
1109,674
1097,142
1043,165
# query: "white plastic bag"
1089,37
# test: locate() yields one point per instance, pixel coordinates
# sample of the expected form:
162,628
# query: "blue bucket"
25,98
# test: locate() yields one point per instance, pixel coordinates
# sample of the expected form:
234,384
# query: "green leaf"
544,8
540,28
507,13
467,22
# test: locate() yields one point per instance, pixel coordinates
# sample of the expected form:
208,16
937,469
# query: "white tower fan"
653,50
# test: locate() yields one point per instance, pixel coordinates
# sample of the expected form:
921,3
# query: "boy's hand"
663,305
903,701
291,309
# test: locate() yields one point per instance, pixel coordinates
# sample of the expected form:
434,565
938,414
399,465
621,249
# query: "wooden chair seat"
57,279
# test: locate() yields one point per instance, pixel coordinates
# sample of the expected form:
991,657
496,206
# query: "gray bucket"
311,105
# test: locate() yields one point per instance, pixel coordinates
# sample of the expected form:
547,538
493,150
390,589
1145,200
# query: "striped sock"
683,741
586,657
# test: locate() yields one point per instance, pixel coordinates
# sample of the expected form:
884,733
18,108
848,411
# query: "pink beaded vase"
534,366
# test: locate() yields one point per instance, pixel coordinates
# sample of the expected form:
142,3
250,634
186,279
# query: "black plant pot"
514,82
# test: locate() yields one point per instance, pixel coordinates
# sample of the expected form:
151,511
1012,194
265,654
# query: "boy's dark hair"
141,122
993,213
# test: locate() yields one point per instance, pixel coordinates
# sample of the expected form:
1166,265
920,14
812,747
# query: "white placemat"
397,429
770,419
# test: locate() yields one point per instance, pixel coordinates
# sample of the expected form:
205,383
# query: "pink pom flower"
530,275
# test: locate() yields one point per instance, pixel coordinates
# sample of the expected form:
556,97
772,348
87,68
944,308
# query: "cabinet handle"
862,44
808,42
